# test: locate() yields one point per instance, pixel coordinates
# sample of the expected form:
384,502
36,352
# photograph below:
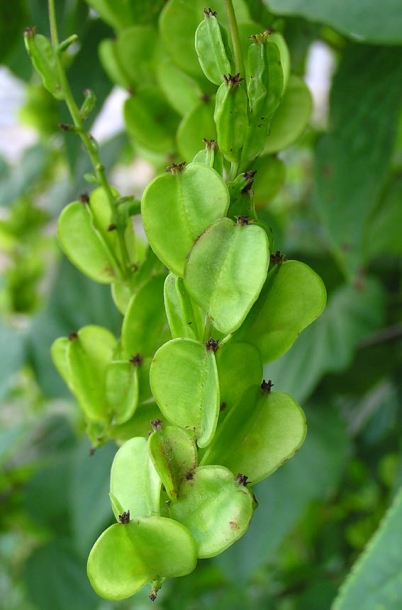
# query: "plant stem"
234,33
89,143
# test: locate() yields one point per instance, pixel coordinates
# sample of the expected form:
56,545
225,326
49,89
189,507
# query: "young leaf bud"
44,61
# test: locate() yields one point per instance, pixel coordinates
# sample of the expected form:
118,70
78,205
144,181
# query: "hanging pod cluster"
206,303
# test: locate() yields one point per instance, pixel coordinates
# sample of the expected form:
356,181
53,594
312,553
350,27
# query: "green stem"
234,32
88,142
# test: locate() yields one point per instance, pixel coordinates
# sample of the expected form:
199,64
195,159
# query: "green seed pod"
88,104
264,89
44,61
212,50
231,116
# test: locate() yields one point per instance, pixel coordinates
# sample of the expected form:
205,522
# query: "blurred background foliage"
339,210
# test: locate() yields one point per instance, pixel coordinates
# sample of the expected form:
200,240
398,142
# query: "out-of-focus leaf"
12,23
55,578
67,310
312,473
12,356
329,343
352,160
376,579
89,493
383,232
28,171
366,20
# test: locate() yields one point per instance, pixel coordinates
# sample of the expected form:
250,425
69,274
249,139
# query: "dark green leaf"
366,20
55,577
376,579
352,161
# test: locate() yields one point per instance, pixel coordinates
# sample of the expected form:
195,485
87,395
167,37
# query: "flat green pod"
83,244
176,208
260,433
174,455
292,116
140,424
212,48
184,316
150,121
226,270
102,218
184,382
292,298
111,63
177,25
239,367
58,352
121,387
134,483
182,92
280,42
89,353
198,124
145,320
129,555
136,49
269,179
216,508
44,60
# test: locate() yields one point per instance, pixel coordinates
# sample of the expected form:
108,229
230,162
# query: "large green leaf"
383,230
55,578
352,161
376,579
365,20
329,344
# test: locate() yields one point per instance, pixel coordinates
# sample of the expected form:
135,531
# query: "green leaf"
10,365
184,317
59,566
376,579
83,244
382,234
174,455
178,23
120,14
126,557
176,208
88,493
260,433
134,482
197,124
329,344
226,270
136,50
352,161
215,507
145,320
366,20
184,382
88,355
292,298
292,116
